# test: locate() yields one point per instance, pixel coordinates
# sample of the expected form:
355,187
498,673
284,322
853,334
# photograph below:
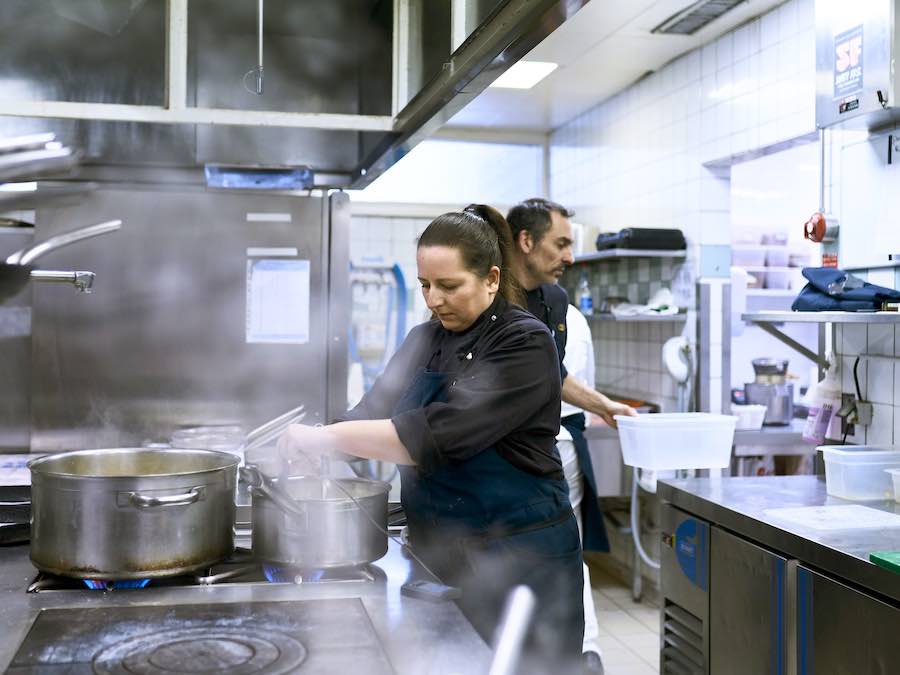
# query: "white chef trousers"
574,478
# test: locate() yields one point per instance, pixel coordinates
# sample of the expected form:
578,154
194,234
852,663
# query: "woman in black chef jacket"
469,408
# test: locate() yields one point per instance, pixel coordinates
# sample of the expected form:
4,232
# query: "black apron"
485,526
595,537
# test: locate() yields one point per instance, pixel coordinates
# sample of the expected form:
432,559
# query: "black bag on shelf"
646,238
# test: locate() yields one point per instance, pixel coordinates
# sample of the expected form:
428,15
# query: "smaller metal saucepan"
317,522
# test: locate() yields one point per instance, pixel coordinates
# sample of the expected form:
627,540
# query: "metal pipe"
83,281
29,255
511,632
259,50
822,171
636,525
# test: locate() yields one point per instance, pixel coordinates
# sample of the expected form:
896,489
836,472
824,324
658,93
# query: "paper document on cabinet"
278,301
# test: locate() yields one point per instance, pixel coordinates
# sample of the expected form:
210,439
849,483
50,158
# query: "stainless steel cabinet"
748,605
725,601
842,631
684,580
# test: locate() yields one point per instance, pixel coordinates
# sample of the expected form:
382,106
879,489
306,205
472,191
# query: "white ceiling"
601,50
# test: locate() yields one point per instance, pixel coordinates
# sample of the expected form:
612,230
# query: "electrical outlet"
864,413
847,412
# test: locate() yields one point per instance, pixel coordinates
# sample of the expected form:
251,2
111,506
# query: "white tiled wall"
655,154
436,176
878,373
391,240
640,345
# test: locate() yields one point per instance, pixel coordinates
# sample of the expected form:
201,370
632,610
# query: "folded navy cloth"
829,289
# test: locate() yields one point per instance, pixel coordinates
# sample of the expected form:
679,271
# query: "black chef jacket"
503,391
549,303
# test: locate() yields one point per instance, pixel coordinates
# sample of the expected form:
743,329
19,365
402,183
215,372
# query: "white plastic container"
677,440
858,472
895,475
778,278
777,256
749,417
743,255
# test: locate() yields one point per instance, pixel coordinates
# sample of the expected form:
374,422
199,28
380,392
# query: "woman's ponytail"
509,285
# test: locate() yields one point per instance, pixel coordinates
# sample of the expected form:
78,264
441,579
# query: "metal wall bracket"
793,344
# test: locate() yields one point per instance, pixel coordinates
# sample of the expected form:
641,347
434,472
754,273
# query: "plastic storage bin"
780,279
749,416
857,472
677,440
895,476
777,256
743,255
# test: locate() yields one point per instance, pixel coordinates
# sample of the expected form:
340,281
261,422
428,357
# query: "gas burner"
240,651
241,569
114,585
287,574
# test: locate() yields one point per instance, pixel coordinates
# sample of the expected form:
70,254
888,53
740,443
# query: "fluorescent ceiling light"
18,187
524,75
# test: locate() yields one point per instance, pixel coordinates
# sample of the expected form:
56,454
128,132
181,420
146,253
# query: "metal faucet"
82,280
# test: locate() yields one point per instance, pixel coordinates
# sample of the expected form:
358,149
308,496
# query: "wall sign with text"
848,62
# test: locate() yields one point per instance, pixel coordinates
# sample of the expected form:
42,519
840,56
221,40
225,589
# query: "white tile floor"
629,631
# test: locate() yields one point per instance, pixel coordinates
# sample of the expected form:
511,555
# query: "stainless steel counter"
740,505
419,637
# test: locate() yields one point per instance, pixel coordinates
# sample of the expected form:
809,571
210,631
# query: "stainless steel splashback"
161,342
15,351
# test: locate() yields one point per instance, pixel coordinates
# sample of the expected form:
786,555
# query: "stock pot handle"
149,501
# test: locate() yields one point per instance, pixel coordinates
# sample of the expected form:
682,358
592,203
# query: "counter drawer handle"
148,501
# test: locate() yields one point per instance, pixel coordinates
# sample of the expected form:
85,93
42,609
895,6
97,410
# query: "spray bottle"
824,402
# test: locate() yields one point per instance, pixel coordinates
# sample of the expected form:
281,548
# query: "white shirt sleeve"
579,359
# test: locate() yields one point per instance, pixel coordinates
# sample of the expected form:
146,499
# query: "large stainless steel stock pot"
131,513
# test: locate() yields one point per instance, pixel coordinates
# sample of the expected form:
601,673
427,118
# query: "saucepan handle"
257,481
150,501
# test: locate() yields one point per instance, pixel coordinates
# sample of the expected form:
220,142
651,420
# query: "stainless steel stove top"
240,569
269,638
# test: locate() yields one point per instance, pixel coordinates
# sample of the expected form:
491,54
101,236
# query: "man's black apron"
486,526
595,538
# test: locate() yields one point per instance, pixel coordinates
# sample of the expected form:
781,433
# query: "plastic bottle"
585,301
824,402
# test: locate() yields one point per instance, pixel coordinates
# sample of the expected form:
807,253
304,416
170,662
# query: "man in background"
542,241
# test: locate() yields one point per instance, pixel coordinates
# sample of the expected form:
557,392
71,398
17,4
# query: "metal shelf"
766,321
771,293
645,318
821,317
618,253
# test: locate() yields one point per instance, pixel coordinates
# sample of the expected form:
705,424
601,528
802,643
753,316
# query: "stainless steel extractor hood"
351,85
856,46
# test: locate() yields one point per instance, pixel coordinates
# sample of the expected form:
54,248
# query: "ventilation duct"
694,17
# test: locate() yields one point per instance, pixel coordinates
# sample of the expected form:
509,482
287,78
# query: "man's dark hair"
533,216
